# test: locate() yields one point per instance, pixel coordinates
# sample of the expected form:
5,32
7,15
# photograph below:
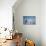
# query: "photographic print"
29,20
